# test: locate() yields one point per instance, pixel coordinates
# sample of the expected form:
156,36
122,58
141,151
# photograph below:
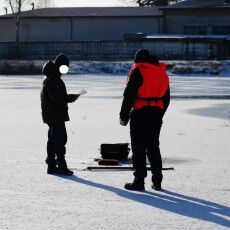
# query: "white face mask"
64,69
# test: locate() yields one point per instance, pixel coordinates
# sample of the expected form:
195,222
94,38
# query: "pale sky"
86,3
76,3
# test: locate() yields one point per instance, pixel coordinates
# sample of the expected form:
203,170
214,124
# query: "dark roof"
92,12
185,36
192,4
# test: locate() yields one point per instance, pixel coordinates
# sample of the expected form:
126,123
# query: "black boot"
156,187
52,167
157,179
136,185
62,168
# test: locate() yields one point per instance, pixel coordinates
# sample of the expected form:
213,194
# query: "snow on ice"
194,140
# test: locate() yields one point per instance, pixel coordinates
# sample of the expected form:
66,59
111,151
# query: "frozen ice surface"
194,140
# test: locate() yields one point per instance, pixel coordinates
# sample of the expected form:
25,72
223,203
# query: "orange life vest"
155,85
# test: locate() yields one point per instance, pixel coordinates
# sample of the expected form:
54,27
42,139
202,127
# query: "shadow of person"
169,201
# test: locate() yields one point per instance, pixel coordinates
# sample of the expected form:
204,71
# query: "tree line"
156,2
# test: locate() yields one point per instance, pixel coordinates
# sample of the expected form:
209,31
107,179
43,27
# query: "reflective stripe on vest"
155,85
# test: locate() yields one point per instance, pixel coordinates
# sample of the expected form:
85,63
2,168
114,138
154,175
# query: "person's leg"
50,160
153,153
60,140
138,145
50,146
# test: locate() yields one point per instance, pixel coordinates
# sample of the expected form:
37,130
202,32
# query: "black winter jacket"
54,99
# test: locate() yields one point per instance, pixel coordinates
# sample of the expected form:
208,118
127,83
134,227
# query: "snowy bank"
197,68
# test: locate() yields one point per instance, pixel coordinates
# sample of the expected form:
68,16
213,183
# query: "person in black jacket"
145,126
54,100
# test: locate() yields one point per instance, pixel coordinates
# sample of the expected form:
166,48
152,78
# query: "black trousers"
145,127
57,139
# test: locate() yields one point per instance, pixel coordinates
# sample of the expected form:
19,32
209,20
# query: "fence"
113,50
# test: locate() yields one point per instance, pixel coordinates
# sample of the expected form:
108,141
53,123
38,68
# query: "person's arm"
130,95
72,97
166,100
57,93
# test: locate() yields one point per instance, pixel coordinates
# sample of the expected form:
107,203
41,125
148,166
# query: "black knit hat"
49,68
61,59
142,55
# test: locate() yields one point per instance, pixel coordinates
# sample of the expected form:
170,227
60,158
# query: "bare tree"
20,5
152,2
129,2
44,3
17,6
16,9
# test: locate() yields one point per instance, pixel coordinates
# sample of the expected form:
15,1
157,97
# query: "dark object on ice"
118,151
108,162
97,159
119,168
61,59
136,185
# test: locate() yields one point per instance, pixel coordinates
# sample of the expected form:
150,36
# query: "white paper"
83,92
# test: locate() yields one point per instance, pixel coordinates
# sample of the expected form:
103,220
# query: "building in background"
191,29
197,17
82,24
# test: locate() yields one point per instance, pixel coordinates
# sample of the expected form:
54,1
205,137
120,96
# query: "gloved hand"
72,97
123,123
76,96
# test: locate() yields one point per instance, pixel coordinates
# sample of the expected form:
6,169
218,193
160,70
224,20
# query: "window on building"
195,30
221,30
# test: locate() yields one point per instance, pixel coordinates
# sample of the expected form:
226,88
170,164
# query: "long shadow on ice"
218,111
170,201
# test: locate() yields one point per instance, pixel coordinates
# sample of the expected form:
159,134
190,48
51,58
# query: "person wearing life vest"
146,99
